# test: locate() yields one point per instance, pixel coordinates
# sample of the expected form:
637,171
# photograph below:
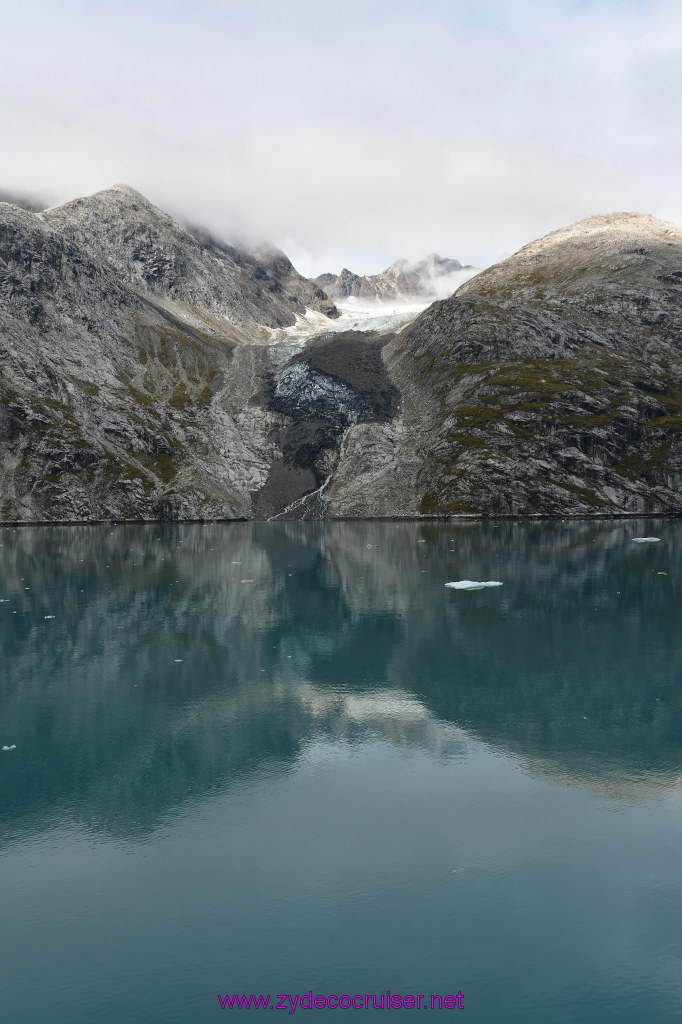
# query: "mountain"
554,378
190,272
434,277
118,329
149,371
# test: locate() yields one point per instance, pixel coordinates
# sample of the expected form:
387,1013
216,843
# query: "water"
341,777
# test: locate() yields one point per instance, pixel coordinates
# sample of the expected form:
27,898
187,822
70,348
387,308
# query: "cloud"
354,133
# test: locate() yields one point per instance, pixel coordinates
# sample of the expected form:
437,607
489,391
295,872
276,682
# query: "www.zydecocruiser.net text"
383,1001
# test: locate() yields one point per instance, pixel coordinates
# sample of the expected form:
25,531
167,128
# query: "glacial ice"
645,540
473,584
13,747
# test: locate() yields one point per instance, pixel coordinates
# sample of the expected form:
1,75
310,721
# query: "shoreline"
461,517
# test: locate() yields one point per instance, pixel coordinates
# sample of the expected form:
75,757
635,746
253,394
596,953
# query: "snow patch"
356,315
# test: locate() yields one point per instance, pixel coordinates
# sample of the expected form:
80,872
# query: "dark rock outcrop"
336,382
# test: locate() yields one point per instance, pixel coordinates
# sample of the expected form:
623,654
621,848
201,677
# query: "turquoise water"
341,776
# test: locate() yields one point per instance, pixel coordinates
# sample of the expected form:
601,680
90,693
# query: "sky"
351,133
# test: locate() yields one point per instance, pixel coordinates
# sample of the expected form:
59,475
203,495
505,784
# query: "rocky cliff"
152,372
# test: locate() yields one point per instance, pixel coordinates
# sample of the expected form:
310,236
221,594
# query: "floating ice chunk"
48,616
661,574
248,581
421,542
473,585
177,660
645,540
13,747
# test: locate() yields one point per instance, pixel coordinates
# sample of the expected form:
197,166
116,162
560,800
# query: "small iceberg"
48,616
13,747
645,540
473,584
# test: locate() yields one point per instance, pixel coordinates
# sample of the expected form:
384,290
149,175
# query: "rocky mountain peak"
128,190
120,206
160,257
431,278
596,256
610,229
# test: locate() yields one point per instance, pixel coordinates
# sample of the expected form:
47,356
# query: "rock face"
152,372
432,278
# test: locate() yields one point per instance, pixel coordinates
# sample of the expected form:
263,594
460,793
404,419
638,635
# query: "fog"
351,135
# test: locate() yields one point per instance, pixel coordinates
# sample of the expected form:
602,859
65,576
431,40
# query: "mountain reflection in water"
164,675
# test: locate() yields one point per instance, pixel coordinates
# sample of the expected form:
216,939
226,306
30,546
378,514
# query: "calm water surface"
275,758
